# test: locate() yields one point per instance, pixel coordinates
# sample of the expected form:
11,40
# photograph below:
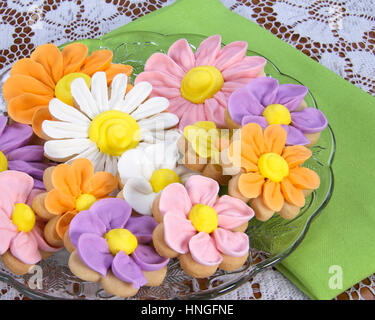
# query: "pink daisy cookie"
198,85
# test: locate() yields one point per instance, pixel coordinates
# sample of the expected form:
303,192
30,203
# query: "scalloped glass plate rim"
254,268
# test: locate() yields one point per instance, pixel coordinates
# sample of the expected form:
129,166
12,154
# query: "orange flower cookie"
48,73
204,231
271,177
201,145
70,189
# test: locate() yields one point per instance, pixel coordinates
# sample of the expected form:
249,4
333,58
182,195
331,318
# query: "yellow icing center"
23,217
3,162
85,201
114,132
62,88
277,114
273,166
204,137
121,240
201,83
163,177
203,218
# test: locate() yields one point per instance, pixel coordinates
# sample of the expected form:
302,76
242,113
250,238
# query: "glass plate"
274,239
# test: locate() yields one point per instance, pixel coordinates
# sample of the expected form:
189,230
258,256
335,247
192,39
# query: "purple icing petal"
34,169
142,228
255,119
125,269
3,124
14,136
94,253
27,153
309,120
38,184
85,223
291,95
241,103
264,90
295,136
148,259
113,212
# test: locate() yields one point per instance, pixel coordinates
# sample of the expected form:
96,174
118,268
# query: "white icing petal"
84,98
160,121
92,153
60,149
111,164
151,107
118,90
135,97
139,194
130,164
63,130
61,111
99,90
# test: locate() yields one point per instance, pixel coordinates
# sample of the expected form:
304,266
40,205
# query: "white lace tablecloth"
338,34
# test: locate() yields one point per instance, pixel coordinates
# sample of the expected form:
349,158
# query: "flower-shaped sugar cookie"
265,102
204,231
144,172
34,81
199,84
16,154
201,146
272,177
105,126
22,243
70,189
110,246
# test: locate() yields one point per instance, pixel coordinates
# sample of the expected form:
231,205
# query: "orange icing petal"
296,155
65,180
243,156
74,56
275,138
250,184
50,57
272,196
129,87
84,171
58,203
99,60
62,224
29,67
252,139
19,84
116,69
101,184
304,178
23,107
39,116
292,194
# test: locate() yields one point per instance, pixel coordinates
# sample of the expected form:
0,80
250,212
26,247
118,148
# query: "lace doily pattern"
338,34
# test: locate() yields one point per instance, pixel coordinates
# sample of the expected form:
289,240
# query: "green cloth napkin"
344,233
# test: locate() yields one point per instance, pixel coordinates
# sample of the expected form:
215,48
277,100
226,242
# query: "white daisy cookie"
145,172
106,123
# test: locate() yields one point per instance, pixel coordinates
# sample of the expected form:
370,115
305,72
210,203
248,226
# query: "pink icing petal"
179,106
25,248
192,115
161,62
182,54
158,79
175,199
15,188
203,250
178,232
248,68
7,232
37,234
230,86
202,190
230,55
215,112
232,212
234,244
208,50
